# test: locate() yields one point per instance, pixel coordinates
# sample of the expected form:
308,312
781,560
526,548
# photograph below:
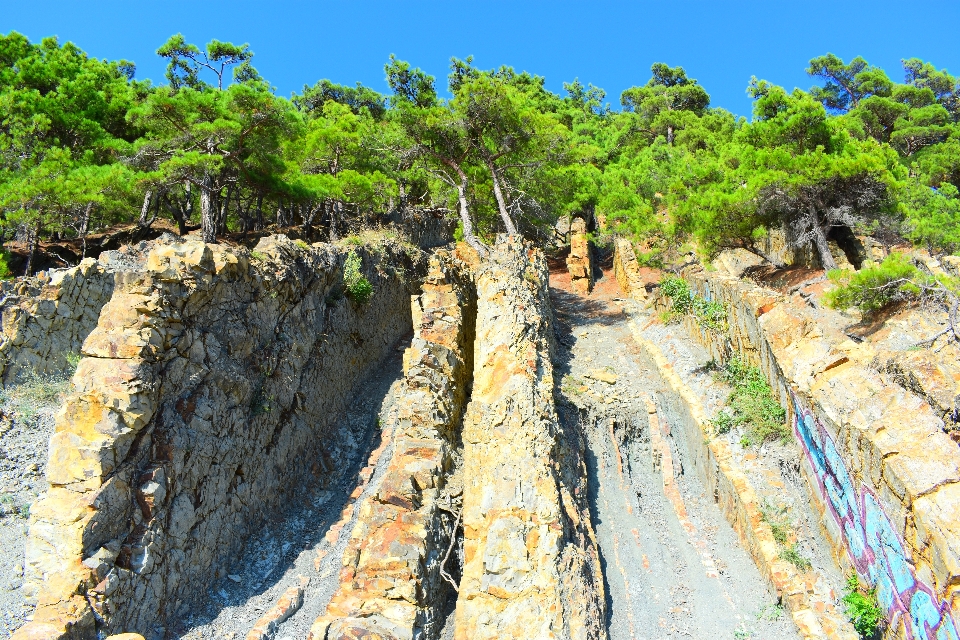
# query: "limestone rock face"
207,393
391,586
531,567
580,260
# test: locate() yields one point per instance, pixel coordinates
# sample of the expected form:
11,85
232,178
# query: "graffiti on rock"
876,550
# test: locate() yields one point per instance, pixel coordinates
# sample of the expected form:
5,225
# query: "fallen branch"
453,540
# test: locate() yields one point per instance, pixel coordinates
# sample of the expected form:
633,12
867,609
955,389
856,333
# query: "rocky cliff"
200,407
881,469
47,317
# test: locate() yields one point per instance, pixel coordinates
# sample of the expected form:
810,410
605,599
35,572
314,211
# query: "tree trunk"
32,249
465,217
752,248
145,211
334,236
222,211
501,203
208,222
819,239
309,214
670,134
258,223
84,225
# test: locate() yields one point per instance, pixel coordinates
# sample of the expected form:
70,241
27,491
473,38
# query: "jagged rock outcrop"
580,260
204,401
531,567
391,584
626,269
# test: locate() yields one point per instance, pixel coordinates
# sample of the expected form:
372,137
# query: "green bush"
874,287
5,273
862,609
709,314
752,402
357,286
678,291
722,422
712,315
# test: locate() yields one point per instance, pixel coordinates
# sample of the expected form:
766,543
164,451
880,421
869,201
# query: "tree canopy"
85,145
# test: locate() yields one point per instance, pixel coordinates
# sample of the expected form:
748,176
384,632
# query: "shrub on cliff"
875,287
896,279
357,286
5,273
862,609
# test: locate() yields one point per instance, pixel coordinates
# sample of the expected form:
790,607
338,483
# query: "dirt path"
25,428
308,543
674,568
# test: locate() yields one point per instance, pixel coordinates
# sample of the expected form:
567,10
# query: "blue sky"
611,44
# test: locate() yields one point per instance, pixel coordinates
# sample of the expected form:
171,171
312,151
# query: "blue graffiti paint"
876,550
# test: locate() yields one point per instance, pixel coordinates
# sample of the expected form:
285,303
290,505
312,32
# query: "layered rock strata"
204,403
879,466
809,604
391,582
580,260
531,566
47,317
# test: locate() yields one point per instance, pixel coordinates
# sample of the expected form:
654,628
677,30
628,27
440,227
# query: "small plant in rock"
668,317
570,385
11,506
781,526
863,610
355,240
709,314
73,361
8,504
752,403
770,612
258,255
301,244
722,422
356,284
792,555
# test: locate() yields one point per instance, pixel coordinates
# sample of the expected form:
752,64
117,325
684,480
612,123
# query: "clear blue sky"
611,44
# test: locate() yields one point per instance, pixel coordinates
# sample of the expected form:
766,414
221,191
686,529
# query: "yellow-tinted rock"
523,576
